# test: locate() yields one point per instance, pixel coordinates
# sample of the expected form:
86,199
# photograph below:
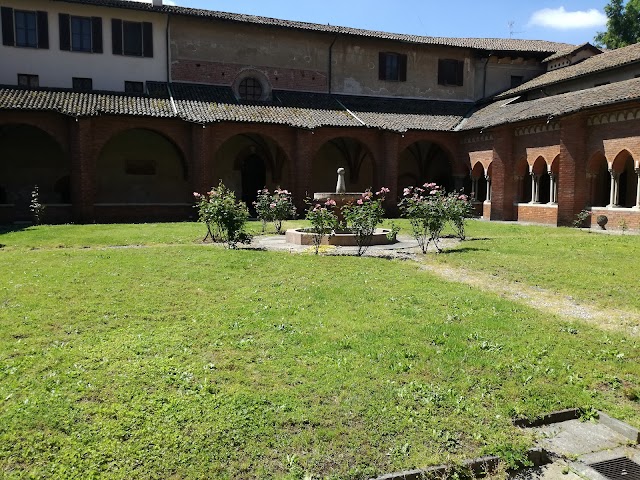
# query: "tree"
623,24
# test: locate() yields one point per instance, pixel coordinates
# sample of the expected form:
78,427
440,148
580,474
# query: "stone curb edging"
620,427
553,417
478,466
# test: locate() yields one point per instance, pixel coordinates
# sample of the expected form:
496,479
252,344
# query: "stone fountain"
342,237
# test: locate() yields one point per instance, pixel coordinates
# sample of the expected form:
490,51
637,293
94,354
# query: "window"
516,80
26,80
451,72
22,28
80,34
82,84
392,66
250,89
134,87
132,38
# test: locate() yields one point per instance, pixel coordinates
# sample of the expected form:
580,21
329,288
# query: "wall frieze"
534,129
485,137
614,117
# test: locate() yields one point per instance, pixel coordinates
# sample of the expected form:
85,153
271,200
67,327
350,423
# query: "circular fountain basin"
301,236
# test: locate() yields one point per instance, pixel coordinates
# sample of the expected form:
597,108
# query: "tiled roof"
487,44
570,50
209,104
598,63
507,111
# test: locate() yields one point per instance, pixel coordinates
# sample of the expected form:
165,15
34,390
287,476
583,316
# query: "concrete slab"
575,438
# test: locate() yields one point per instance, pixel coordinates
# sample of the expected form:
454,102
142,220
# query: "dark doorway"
254,178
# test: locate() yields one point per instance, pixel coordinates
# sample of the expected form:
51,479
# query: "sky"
568,21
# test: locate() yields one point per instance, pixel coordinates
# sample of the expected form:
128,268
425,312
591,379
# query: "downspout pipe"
331,62
167,33
484,80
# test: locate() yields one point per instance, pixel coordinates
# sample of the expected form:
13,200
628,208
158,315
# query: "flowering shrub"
458,208
275,207
37,208
364,216
224,216
425,208
323,220
428,209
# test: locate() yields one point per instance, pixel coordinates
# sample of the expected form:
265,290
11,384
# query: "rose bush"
323,220
363,217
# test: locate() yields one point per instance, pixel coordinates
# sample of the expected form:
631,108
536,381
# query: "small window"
132,38
82,84
80,34
30,81
134,87
140,167
392,67
516,80
250,89
451,72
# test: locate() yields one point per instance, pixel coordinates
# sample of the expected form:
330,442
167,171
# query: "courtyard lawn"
593,267
178,360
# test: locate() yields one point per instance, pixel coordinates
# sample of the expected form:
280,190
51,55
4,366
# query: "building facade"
118,111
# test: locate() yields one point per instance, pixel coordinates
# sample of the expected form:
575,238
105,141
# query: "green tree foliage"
623,24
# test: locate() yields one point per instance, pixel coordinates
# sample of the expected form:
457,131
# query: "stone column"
535,188
553,186
613,194
488,179
637,170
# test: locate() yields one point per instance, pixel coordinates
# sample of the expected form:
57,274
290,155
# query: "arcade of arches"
123,169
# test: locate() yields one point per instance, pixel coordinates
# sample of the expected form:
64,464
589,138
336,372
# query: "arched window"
250,89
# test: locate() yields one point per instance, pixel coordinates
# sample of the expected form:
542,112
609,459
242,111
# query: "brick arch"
107,129
55,127
539,166
141,165
479,169
555,165
593,164
620,160
598,180
445,142
283,138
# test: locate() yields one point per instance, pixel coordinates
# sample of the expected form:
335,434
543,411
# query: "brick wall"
615,217
546,214
144,213
225,73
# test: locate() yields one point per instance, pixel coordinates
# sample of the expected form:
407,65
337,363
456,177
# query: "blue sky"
570,21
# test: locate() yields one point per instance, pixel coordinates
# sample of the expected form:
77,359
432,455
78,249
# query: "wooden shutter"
65,31
402,68
147,39
382,66
43,30
459,73
8,35
116,36
96,34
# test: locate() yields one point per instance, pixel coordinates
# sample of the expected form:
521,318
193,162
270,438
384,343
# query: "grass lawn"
185,361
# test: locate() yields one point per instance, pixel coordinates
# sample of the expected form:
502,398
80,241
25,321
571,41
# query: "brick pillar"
572,177
200,173
390,144
83,169
303,167
502,194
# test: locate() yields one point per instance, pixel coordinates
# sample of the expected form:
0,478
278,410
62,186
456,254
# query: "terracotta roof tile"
507,111
598,63
488,44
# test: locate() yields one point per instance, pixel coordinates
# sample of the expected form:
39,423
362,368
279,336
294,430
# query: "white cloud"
560,19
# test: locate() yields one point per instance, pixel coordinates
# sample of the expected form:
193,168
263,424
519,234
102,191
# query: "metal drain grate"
618,469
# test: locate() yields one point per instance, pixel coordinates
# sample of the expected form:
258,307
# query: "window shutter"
96,34
441,72
43,30
65,32
402,68
116,36
147,39
382,66
8,36
460,73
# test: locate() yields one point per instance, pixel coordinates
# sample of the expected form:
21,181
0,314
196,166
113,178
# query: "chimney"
156,3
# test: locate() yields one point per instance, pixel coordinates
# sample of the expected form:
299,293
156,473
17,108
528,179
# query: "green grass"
595,268
183,361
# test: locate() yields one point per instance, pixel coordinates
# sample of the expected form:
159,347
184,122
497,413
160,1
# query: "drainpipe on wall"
331,62
173,103
484,80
